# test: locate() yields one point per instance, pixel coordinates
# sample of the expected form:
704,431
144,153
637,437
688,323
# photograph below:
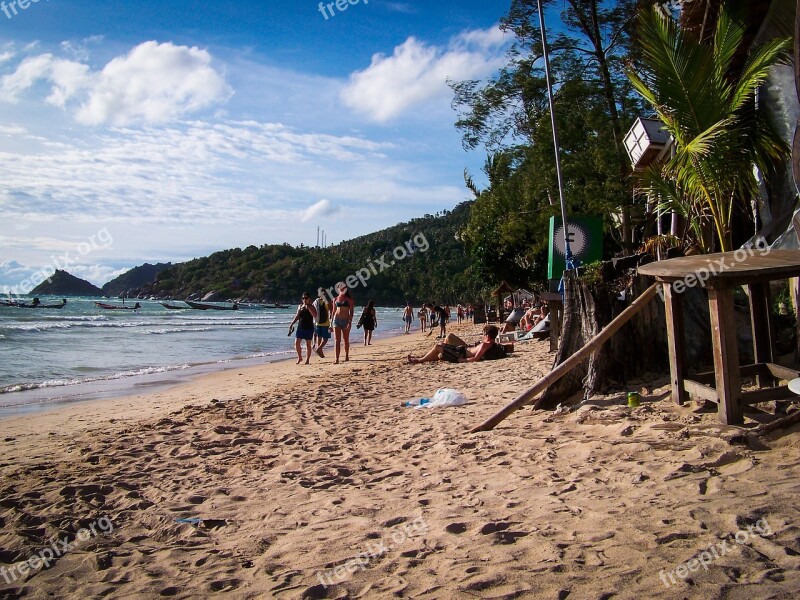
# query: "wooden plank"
676,340
779,424
781,372
699,390
780,392
761,327
731,267
726,355
706,377
574,360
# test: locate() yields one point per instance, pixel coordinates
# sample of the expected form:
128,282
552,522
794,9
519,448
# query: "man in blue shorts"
323,320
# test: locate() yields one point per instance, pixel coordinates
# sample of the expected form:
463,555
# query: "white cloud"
416,73
401,7
153,84
319,210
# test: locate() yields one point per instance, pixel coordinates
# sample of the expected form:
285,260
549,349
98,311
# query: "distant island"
62,283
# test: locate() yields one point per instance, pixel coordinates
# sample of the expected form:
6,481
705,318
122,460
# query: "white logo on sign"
578,239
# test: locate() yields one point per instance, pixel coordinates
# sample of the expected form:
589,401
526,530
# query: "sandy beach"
285,481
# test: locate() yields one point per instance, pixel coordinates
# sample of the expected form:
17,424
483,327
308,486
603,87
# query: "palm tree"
709,107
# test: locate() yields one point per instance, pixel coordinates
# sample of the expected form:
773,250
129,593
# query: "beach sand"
313,482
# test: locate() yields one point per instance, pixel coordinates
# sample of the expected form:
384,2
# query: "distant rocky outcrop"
134,279
62,283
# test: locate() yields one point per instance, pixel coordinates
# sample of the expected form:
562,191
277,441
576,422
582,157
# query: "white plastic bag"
445,397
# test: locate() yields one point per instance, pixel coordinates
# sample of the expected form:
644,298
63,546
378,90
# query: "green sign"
585,241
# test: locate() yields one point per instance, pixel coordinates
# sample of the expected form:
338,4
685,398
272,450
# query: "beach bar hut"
500,293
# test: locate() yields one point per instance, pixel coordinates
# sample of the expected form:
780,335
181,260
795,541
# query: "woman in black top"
305,327
369,321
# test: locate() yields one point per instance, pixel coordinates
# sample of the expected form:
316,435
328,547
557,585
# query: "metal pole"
567,251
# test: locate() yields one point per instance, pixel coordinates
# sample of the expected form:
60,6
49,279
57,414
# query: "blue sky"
169,130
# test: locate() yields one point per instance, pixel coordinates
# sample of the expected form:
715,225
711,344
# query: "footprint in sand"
456,528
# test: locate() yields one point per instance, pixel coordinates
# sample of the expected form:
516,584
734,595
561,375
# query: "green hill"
133,279
62,283
423,259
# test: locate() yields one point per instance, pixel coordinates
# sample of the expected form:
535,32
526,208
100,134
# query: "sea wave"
207,324
21,387
168,330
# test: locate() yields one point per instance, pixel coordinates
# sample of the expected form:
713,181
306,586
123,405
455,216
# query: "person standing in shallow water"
343,308
369,321
305,327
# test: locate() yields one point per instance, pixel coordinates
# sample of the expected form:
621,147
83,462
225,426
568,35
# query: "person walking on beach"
305,327
343,308
423,318
369,321
322,333
440,314
408,316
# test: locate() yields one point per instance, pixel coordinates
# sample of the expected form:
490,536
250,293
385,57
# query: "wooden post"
760,322
676,340
574,360
726,355
556,314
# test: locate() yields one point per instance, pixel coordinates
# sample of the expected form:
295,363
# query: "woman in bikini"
343,307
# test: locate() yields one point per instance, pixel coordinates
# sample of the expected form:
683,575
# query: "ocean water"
81,352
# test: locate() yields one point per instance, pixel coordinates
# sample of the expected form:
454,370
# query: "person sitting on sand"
487,349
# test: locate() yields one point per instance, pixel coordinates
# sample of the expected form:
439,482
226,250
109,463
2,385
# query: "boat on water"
35,303
204,306
173,306
277,305
106,306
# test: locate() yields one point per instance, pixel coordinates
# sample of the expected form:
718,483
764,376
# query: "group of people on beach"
317,319
432,315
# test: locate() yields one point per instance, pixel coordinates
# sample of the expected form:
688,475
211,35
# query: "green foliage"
280,273
707,103
591,274
507,234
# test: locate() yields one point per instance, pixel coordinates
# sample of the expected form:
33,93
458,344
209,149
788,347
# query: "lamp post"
568,258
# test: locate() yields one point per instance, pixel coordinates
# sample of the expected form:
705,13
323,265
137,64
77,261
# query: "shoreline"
313,481
44,399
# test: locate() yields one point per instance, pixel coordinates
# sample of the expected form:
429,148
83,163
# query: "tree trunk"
639,347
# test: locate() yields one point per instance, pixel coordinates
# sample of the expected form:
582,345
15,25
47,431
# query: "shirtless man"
474,354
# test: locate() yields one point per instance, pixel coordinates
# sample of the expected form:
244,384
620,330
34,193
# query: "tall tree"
709,107
510,115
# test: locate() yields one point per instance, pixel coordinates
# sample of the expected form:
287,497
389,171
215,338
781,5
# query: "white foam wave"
20,387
